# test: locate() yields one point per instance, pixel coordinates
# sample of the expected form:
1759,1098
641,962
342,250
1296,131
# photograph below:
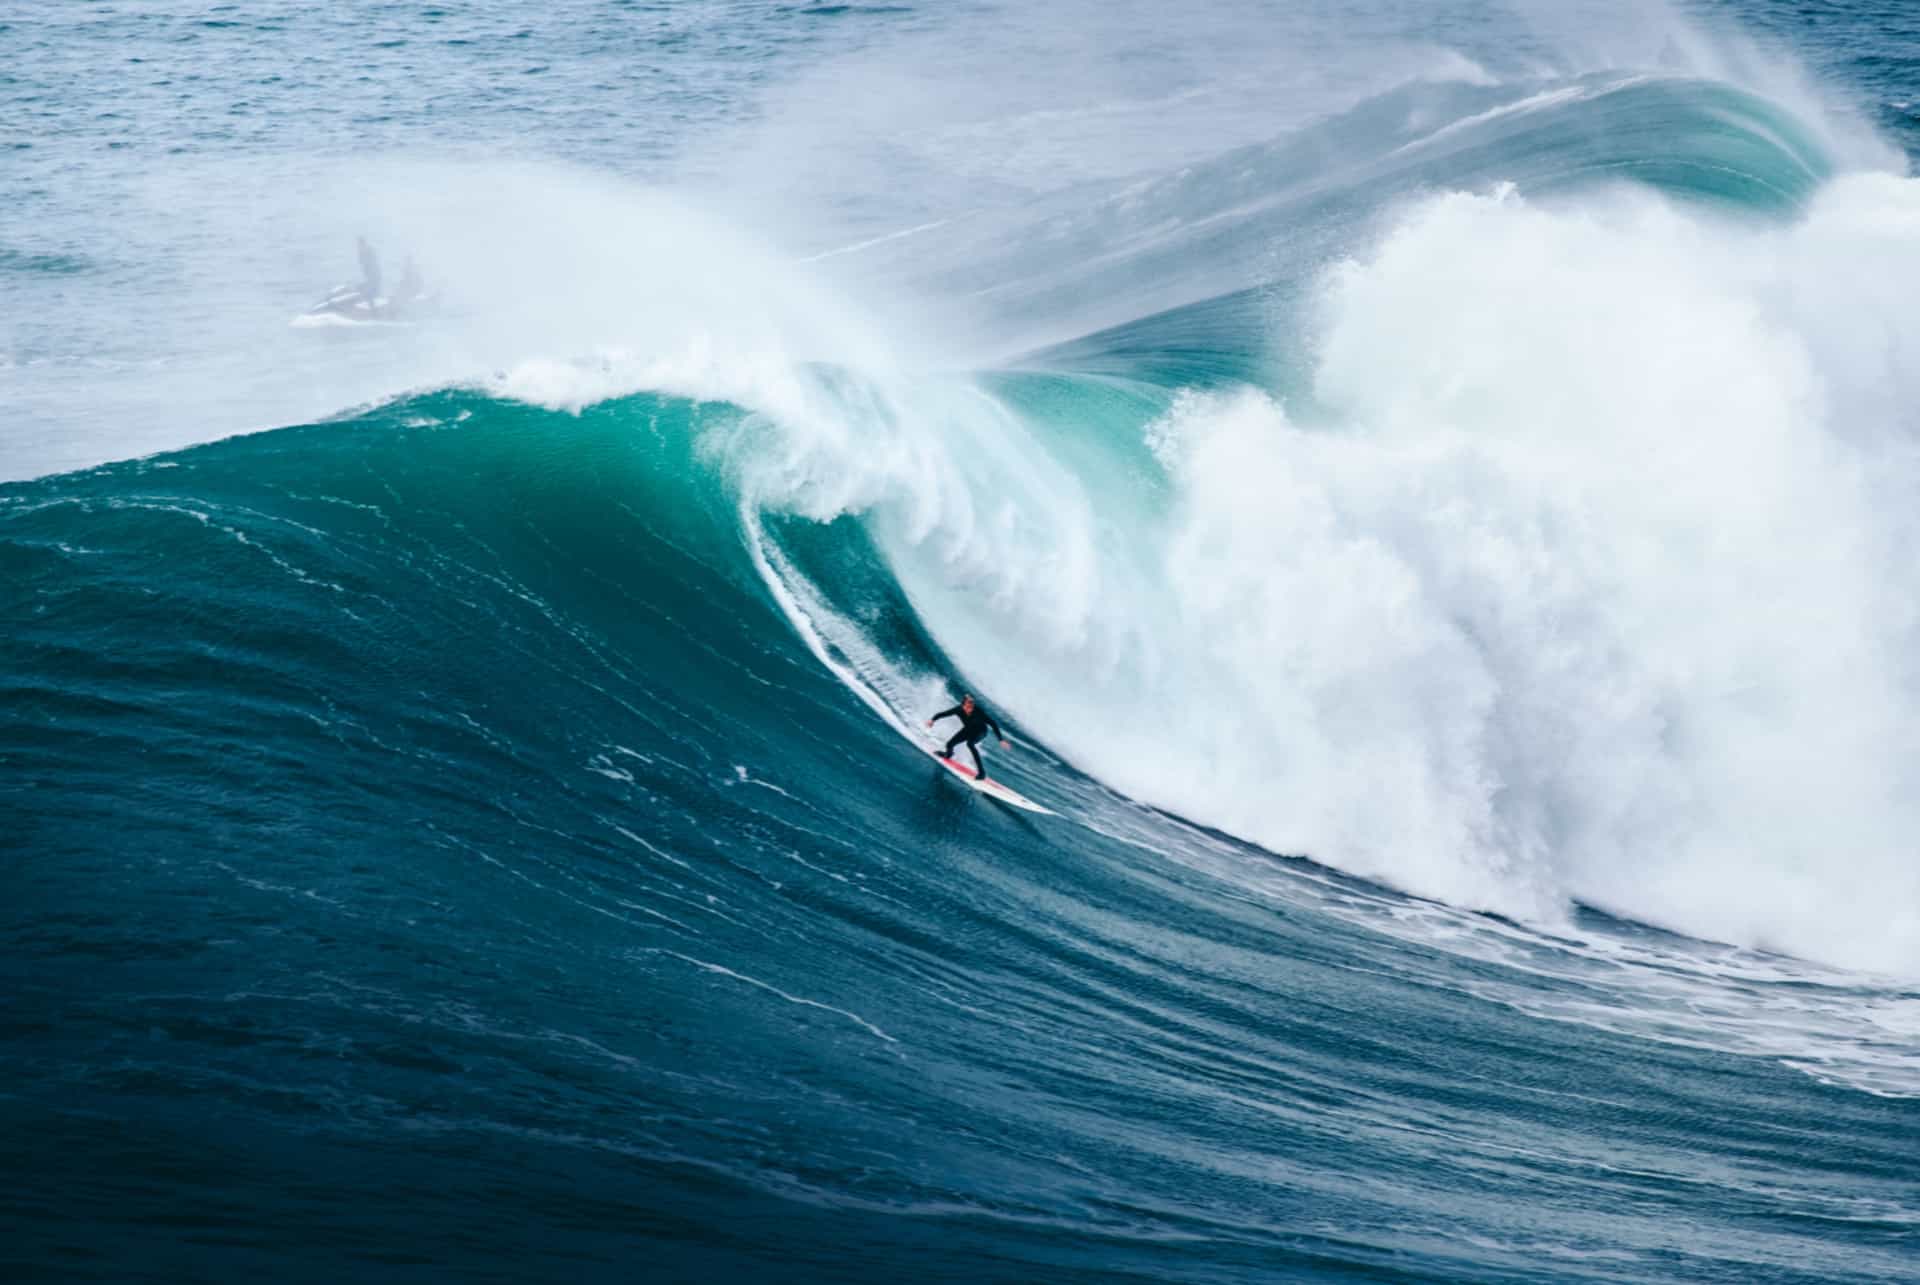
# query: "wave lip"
1275,213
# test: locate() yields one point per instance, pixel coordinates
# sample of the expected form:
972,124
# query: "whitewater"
1432,498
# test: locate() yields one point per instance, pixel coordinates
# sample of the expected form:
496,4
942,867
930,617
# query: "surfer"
974,723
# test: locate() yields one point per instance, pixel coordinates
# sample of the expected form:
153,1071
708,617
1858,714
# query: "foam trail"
883,686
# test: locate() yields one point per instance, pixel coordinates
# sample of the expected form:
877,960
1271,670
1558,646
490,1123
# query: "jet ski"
354,305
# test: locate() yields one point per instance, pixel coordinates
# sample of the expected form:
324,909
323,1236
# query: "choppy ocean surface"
1433,496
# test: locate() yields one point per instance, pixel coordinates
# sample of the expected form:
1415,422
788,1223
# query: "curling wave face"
451,780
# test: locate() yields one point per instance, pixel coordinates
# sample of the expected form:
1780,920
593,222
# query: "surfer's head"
966,701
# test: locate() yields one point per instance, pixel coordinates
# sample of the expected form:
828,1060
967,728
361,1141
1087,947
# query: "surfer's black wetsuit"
973,727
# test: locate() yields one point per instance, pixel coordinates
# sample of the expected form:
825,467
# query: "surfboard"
990,787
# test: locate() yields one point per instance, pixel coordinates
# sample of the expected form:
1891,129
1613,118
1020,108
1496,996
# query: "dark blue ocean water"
1428,493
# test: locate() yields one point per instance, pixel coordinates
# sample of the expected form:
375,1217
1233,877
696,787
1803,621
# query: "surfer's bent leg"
954,740
973,748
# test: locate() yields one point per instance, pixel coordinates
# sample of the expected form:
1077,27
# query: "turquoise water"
1430,498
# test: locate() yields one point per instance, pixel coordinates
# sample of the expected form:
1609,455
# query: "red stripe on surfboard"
971,775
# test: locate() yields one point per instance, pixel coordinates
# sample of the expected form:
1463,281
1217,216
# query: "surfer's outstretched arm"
945,713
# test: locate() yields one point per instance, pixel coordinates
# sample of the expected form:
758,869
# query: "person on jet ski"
412,288
369,271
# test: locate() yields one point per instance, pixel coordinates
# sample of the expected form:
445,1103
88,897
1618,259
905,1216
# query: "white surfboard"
990,787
